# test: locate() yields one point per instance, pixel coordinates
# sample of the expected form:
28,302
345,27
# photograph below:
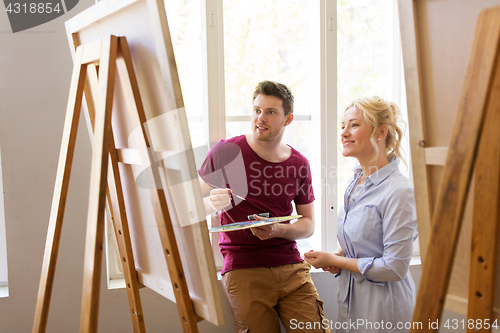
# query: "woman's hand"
324,260
339,252
319,259
332,269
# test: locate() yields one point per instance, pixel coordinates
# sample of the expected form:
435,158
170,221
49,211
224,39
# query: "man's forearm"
302,228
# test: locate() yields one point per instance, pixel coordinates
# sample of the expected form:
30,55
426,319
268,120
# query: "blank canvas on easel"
144,24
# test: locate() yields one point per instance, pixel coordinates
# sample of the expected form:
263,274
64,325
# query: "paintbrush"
220,188
240,197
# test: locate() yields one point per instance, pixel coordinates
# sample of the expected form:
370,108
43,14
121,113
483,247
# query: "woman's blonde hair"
378,112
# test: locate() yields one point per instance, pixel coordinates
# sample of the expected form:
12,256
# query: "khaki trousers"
260,297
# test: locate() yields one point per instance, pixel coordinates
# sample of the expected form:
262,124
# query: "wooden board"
437,37
144,24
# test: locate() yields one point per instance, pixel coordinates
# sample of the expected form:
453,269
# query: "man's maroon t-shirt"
267,188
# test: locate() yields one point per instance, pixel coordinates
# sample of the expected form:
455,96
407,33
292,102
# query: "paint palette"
253,224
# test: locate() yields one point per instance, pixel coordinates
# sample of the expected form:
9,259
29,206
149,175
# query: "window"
223,48
369,63
298,43
242,43
366,60
274,40
184,20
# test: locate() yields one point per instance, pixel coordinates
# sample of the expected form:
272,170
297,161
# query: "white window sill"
4,291
415,261
116,283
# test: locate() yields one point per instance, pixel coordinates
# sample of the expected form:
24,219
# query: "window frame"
324,18
4,272
324,12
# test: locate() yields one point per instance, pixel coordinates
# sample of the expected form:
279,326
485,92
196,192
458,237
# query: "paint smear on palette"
253,224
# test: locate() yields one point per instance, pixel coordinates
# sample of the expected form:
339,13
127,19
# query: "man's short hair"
276,89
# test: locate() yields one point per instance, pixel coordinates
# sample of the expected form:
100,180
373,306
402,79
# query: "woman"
376,227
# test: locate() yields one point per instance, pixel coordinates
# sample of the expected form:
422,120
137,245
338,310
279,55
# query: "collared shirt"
378,225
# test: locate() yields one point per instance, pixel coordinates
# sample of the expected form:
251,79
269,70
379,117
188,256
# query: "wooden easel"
112,56
475,144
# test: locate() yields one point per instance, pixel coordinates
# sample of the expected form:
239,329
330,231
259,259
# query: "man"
263,276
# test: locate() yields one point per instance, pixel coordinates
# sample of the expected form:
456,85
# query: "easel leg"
98,186
120,221
60,194
171,251
486,216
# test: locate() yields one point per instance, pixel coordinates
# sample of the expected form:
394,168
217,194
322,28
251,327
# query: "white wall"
35,72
